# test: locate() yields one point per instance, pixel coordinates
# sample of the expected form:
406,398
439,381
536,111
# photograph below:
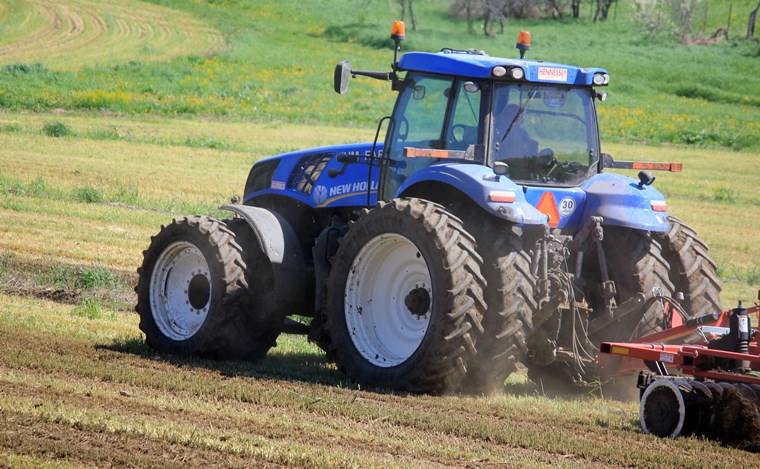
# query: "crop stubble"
72,33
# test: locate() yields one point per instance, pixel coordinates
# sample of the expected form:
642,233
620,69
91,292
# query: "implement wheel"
405,298
662,410
193,296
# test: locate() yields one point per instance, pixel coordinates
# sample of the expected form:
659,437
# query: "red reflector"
672,167
410,152
502,196
659,206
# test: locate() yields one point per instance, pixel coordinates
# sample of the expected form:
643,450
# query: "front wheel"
193,296
405,298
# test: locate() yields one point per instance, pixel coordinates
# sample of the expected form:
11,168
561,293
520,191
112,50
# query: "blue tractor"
481,232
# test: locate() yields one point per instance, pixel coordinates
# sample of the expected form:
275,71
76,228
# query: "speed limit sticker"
566,206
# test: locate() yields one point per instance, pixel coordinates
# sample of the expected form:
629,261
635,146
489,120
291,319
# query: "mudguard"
622,201
477,182
279,242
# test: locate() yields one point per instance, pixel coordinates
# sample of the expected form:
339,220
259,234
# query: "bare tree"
494,12
751,25
602,9
675,18
555,7
410,5
470,8
576,7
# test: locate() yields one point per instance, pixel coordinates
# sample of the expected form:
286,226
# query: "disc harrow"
715,390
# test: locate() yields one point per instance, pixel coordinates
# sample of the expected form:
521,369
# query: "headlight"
601,79
517,73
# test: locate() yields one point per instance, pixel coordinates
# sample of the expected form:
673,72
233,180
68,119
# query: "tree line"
672,17
495,12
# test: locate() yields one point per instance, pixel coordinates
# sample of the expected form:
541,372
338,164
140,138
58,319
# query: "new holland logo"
319,195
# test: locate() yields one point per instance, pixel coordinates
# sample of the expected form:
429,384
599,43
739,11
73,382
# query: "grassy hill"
276,65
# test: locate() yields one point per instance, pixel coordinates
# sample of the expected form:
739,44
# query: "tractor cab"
531,121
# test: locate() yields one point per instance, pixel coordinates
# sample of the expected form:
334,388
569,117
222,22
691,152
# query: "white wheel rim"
383,329
180,291
680,404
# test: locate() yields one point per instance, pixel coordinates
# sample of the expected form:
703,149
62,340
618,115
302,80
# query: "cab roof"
477,65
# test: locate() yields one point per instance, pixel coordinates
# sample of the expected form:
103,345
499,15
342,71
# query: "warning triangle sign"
548,206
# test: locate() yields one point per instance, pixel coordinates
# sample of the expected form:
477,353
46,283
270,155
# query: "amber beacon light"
398,31
523,42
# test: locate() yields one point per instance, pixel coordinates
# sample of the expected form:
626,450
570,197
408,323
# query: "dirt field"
86,392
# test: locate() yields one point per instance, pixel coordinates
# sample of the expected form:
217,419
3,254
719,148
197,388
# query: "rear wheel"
693,272
510,306
405,298
636,265
193,296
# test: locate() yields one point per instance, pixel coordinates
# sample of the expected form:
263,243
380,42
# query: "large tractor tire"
692,270
405,298
193,296
510,301
636,265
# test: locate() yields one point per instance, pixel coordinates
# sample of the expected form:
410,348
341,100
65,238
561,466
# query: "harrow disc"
662,411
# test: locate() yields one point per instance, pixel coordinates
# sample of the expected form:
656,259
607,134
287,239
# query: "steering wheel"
456,135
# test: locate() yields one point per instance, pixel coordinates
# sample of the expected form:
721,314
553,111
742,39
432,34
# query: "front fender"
277,239
621,201
477,182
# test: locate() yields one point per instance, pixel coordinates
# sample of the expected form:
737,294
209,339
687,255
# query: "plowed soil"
83,392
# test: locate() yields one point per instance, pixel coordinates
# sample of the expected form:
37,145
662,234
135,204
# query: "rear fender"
477,182
279,242
622,201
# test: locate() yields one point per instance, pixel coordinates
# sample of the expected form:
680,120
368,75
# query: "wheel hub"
199,291
418,302
180,291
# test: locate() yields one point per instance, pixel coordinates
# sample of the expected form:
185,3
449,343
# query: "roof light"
398,31
499,71
523,42
502,196
659,206
601,79
517,73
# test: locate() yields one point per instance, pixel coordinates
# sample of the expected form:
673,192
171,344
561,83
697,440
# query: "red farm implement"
702,375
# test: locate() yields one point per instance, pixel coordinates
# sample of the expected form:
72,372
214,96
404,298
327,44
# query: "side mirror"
607,161
342,76
500,168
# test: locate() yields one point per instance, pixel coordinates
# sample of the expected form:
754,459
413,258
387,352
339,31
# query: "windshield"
545,134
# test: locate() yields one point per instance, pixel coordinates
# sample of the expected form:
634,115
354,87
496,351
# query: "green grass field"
277,57
97,151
